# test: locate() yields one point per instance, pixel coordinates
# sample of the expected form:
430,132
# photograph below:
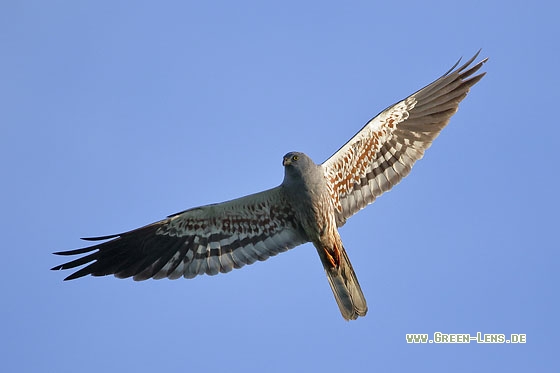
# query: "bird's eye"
295,158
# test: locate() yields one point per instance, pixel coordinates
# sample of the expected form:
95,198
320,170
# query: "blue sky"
116,114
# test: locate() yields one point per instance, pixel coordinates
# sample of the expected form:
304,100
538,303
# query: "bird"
310,204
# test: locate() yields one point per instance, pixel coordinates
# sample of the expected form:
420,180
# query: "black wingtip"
101,238
466,63
119,254
74,276
452,67
62,267
75,252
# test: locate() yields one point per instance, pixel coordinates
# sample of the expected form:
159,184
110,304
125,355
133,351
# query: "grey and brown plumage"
310,205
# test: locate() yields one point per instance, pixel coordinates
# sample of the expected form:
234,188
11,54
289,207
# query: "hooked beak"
286,161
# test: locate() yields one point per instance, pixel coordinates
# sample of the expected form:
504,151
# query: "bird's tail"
345,287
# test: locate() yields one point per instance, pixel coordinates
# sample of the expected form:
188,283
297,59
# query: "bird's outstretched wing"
209,239
386,148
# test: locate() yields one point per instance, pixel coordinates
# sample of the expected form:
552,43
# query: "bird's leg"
333,255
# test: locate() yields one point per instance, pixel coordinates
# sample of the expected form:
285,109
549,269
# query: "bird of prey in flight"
310,204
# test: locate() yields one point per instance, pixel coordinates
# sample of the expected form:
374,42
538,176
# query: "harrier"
312,202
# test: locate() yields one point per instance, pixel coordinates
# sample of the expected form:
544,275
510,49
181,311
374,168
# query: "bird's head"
298,166
293,159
